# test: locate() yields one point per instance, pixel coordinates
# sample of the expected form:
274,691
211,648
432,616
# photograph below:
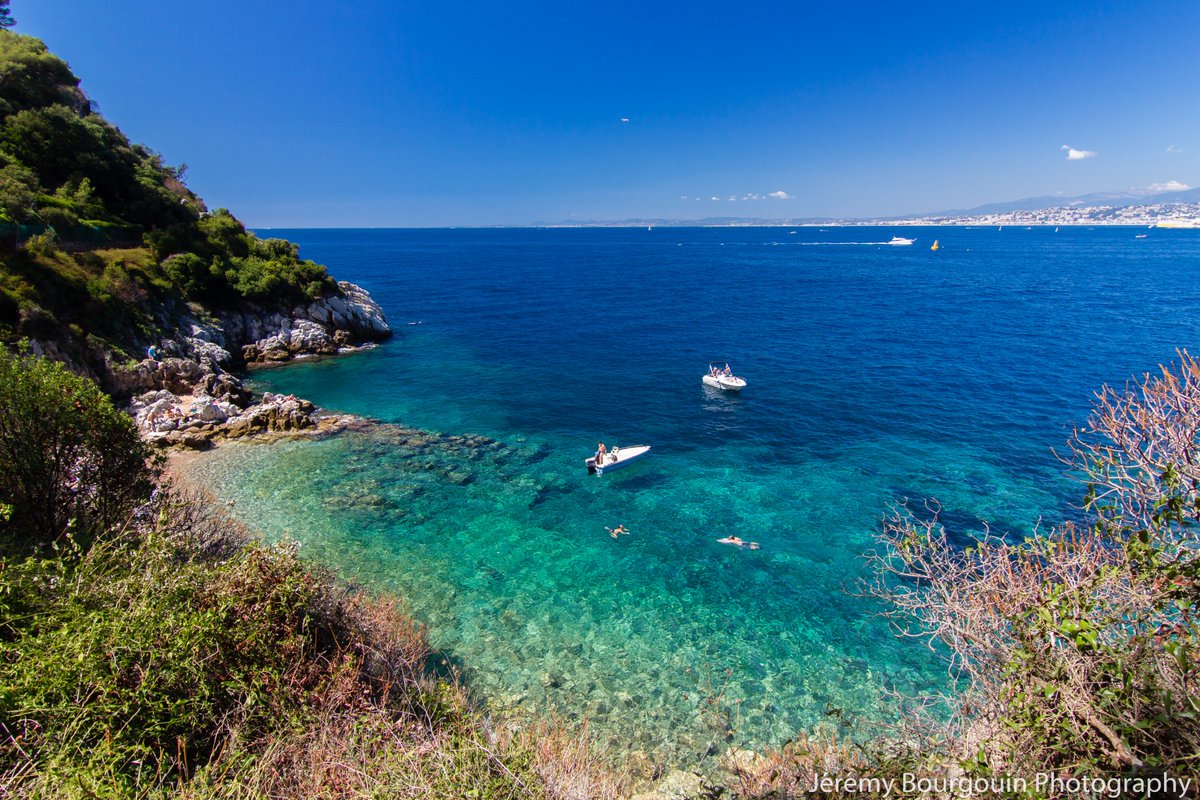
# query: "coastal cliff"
111,265
188,397
186,393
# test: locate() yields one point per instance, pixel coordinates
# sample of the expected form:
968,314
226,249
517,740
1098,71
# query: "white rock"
211,412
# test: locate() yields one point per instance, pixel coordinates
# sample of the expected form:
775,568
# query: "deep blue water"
875,373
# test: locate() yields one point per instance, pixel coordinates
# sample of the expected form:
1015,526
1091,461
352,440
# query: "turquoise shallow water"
875,373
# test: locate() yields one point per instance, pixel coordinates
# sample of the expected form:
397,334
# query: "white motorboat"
900,240
616,458
719,376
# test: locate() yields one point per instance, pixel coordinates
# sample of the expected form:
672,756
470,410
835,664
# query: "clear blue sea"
875,373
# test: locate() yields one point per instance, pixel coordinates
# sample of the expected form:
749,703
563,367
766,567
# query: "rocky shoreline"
185,395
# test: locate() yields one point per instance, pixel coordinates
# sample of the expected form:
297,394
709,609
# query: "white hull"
900,241
616,458
726,382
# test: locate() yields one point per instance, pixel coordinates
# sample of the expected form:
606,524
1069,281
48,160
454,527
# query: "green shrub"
68,457
58,217
195,278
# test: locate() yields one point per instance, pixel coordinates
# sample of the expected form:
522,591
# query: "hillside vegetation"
101,239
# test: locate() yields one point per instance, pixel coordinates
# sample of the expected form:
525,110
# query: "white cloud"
733,198
1173,149
1169,186
1077,155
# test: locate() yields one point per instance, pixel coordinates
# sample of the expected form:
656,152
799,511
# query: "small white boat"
720,376
616,458
1141,236
900,240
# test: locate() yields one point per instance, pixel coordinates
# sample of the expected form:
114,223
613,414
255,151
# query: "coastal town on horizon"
1160,215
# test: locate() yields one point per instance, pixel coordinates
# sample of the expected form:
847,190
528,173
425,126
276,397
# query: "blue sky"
374,113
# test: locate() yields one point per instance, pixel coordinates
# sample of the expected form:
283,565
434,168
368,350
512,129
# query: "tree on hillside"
6,17
19,191
33,77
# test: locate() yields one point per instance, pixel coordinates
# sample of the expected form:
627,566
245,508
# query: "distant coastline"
1165,209
1156,215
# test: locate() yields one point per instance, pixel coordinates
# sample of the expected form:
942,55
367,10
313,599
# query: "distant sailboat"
1056,230
934,246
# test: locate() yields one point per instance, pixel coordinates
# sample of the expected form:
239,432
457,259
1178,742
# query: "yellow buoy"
935,245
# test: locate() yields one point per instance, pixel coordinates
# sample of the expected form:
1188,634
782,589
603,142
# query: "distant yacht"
900,240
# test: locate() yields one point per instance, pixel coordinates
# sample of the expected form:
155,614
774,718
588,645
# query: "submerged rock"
680,785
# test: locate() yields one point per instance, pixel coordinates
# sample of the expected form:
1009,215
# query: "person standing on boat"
600,451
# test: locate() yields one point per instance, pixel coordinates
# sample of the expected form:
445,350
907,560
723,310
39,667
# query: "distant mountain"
1117,199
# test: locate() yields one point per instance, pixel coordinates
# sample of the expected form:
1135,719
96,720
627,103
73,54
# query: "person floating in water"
617,531
736,540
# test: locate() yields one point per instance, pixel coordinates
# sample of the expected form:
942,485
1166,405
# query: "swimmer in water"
737,540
